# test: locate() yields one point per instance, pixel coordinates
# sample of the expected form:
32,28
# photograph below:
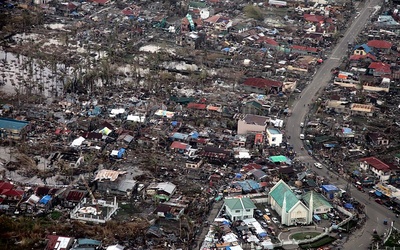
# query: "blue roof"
274,131
121,153
6,123
329,188
348,206
347,131
90,242
45,199
180,136
248,185
365,47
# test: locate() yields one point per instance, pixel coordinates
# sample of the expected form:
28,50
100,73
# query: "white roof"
117,111
115,247
165,186
230,237
136,118
111,175
77,142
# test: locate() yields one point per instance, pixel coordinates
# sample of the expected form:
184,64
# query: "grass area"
55,215
319,243
393,240
305,235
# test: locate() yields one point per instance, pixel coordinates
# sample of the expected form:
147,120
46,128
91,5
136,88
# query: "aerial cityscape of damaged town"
196,125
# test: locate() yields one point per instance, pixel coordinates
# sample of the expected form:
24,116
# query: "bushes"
252,11
319,243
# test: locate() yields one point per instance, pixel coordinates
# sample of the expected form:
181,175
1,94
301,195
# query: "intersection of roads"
375,212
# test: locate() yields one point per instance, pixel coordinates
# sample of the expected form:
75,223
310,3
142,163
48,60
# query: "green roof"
197,5
6,123
318,200
280,190
255,104
239,203
278,158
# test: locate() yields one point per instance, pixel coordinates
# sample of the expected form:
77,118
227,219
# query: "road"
375,213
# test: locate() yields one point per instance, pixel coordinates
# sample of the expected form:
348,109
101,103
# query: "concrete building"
252,124
239,208
320,204
274,137
291,210
375,166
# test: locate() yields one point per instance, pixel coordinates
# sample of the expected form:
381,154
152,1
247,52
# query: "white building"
239,208
291,210
274,137
375,166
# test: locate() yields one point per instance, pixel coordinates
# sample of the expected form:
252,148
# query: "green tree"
254,12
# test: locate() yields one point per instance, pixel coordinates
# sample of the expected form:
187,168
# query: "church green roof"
239,203
318,200
280,190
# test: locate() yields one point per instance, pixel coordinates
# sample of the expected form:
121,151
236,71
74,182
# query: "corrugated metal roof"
239,203
281,190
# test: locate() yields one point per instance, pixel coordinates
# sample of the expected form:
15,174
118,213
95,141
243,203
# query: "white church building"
291,210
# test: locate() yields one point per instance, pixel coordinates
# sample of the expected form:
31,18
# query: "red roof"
75,195
127,12
6,186
251,166
193,105
202,140
178,145
379,44
268,40
58,242
313,18
359,57
309,49
12,193
380,67
101,1
262,83
62,131
376,163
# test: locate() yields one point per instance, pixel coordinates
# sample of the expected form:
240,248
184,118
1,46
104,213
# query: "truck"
267,219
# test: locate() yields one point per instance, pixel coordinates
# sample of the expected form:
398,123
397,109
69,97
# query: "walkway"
216,207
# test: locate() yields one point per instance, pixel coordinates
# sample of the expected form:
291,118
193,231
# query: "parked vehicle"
318,165
258,213
275,220
263,224
267,219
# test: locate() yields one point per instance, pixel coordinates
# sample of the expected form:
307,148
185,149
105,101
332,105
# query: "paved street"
216,207
375,213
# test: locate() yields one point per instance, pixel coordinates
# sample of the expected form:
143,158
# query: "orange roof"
376,163
178,145
379,44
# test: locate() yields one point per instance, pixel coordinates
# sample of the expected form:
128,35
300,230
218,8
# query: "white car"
318,165
267,212
275,220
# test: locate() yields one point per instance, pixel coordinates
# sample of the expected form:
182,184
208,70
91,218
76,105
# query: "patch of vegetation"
305,235
319,243
393,240
255,12
55,215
